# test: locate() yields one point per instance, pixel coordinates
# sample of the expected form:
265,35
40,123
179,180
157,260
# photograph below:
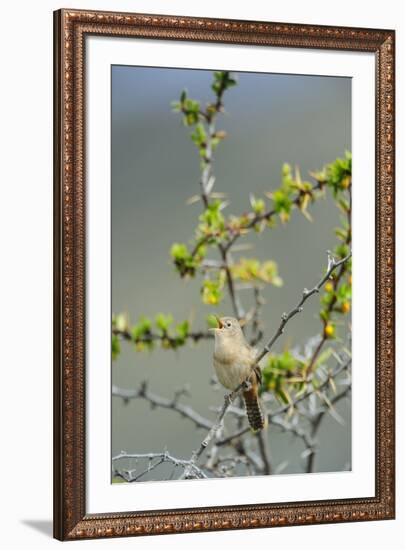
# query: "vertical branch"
257,332
264,452
206,175
206,184
236,305
312,449
316,423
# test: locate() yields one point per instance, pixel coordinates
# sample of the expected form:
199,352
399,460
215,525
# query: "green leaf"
338,174
163,322
121,322
212,218
341,233
183,329
176,106
324,314
211,292
115,347
342,250
199,136
283,395
185,263
222,81
212,321
258,205
144,326
282,204
179,251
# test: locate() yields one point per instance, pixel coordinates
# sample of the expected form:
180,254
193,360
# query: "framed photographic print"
224,274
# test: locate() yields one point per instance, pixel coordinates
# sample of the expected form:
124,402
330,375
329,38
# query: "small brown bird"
234,362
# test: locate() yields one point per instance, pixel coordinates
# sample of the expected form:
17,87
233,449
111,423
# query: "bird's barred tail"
253,410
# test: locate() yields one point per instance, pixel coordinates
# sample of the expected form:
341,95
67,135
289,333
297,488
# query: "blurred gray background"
270,119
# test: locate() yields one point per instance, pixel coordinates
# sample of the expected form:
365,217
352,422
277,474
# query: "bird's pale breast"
231,368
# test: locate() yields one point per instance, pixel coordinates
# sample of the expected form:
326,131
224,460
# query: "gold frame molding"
70,518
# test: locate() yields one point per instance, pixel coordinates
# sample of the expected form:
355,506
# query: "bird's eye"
228,324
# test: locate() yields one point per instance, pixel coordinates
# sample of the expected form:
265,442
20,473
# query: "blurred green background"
270,119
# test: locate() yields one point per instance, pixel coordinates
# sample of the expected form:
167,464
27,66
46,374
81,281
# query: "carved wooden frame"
70,518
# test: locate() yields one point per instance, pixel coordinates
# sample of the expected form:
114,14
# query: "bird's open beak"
220,324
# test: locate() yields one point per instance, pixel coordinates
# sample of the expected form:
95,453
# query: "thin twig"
128,476
267,216
212,432
332,265
257,332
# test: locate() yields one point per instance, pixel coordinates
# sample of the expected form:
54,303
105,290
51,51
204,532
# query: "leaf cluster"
186,261
146,333
337,175
280,372
212,289
252,270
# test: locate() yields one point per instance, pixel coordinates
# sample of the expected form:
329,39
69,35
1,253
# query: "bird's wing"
258,372
256,368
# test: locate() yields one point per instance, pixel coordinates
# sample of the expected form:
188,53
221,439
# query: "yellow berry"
329,331
345,307
329,287
346,182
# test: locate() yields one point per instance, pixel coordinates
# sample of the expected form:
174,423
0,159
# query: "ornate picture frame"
71,519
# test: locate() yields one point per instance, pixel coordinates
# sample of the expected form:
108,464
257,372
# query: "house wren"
234,362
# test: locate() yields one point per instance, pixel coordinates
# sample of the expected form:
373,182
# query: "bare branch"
264,452
214,429
339,368
157,401
332,265
295,430
225,466
132,475
257,332
316,425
